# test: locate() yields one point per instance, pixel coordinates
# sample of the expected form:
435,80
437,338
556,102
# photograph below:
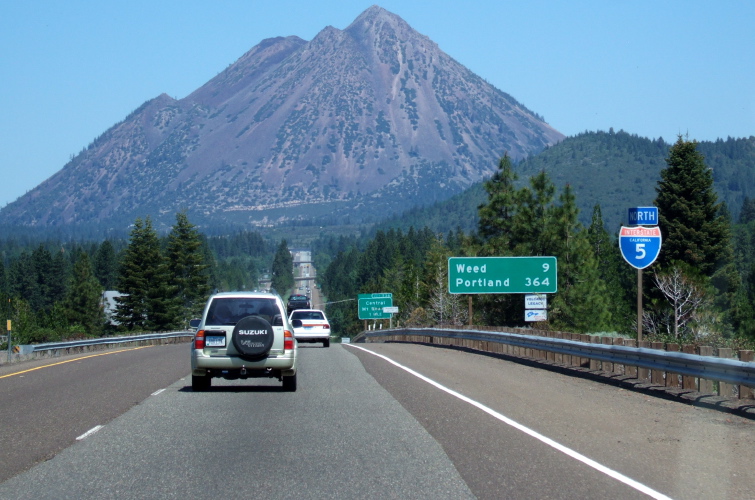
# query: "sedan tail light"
199,340
288,340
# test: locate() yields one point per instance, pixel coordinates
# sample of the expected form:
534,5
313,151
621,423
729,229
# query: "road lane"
359,427
679,450
47,404
339,436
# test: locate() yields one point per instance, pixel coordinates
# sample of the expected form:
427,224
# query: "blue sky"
72,69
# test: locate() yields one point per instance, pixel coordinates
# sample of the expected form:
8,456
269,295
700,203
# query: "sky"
71,69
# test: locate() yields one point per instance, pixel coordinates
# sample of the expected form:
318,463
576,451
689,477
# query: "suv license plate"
215,341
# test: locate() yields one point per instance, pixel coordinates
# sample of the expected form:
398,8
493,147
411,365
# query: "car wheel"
289,383
200,383
253,337
326,343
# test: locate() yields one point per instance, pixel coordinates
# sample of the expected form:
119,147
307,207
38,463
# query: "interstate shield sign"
640,246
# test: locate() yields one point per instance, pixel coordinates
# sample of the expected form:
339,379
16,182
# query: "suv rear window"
229,310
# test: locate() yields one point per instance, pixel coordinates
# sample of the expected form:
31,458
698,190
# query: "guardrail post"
619,368
630,370
672,379
607,365
688,381
706,386
559,358
724,389
576,360
584,362
744,391
550,354
643,373
594,363
657,376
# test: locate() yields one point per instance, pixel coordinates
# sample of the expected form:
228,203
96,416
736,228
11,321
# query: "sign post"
640,247
9,339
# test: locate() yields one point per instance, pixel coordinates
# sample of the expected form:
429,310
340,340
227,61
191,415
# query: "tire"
289,384
326,343
253,337
200,383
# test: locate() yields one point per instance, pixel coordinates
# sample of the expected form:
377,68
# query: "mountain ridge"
352,123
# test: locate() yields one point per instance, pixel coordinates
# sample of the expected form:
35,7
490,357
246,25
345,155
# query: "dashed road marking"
89,432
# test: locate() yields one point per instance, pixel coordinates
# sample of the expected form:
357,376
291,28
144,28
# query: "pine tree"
747,213
532,225
150,300
581,304
695,228
692,228
615,273
41,299
83,302
282,279
496,215
187,268
106,265
132,282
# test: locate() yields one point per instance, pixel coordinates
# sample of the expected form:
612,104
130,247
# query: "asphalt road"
357,427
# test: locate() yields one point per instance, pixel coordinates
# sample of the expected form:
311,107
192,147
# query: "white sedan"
314,326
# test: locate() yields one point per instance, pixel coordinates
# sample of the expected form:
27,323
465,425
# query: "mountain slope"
353,125
615,170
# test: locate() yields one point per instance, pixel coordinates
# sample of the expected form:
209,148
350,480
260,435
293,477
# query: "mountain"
353,125
616,170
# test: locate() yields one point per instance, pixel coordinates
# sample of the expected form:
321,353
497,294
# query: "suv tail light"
199,340
288,340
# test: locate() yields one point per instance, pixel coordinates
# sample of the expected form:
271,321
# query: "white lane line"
563,449
89,432
157,392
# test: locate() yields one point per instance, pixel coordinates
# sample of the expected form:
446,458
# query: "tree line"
55,291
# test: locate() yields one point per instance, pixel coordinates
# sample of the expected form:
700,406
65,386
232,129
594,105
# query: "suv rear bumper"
308,337
201,363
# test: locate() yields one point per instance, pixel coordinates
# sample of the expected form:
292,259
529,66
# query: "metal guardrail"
54,346
707,367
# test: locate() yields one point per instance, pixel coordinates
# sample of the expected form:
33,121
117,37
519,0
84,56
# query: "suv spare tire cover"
253,337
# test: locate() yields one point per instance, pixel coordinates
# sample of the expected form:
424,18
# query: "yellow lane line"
71,360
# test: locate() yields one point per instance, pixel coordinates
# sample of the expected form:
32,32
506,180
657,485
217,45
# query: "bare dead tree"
445,306
655,322
684,296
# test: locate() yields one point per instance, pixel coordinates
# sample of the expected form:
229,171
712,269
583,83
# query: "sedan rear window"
307,315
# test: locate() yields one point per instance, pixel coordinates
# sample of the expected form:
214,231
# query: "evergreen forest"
701,288
53,290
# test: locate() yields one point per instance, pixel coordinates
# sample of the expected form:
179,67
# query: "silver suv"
244,335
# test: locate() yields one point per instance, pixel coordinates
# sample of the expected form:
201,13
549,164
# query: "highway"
359,426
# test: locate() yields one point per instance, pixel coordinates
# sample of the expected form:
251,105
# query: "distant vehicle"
194,324
297,301
244,335
315,326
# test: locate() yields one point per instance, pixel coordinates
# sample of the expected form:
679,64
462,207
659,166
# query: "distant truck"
297,301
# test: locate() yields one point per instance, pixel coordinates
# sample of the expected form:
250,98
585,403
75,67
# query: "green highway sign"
371,305
502,275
